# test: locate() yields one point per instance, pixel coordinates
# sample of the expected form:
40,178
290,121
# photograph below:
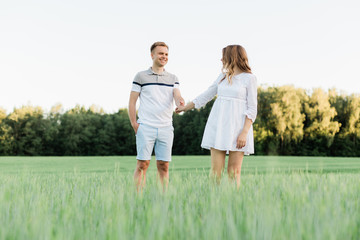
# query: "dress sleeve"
209,94
251,99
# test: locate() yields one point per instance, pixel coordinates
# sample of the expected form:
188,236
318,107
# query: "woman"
229,126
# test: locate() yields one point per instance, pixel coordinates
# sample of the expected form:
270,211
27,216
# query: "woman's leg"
234,166
217,163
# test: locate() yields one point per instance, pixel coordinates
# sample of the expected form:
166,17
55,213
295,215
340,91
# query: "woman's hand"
241,140
188,107
180,109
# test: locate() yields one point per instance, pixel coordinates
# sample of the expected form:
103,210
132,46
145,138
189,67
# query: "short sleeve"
176,82
136,85
251,99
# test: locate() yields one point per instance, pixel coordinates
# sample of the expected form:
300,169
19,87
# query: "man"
157,89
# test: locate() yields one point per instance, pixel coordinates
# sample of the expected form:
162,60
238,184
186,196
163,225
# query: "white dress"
227,117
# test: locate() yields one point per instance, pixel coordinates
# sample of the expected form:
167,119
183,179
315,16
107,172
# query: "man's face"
160,56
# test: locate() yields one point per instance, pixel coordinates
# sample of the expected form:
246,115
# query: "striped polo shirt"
156,97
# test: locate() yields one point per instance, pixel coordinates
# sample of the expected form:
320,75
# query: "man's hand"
132,110
180,109
183,108
135,126
180,102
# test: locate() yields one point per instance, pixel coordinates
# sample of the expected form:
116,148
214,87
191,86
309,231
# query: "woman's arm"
251,98
208,95
241,140
203,98
250,112
188,107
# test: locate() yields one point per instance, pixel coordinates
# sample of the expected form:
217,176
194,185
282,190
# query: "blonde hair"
234,56
157,44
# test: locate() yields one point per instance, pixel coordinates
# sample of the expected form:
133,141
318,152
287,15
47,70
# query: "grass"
252,164
94,198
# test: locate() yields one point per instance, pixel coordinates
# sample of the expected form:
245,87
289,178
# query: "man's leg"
234,166
145,139
163,172
140,174
163,146
217,163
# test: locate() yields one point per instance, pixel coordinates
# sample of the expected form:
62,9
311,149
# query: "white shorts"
147,137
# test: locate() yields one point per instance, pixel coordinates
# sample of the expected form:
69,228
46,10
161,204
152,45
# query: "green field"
94,198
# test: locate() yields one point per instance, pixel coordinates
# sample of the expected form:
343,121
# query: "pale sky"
88,52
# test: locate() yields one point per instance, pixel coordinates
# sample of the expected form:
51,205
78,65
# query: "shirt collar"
151,72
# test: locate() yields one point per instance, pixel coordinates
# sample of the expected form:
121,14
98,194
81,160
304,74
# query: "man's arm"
179,101
132,110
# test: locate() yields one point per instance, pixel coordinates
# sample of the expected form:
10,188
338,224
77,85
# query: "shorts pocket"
137,132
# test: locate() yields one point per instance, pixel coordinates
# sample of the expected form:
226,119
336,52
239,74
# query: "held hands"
180,109
183,108
241,140
180,103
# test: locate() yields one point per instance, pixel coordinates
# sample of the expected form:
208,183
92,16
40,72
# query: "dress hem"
227,150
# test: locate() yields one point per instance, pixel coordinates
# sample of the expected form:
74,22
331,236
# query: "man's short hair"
157,44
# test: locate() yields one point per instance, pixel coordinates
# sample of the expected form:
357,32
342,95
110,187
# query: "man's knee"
162,166
142,165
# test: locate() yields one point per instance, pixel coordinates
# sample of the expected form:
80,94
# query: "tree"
279,125
2,114
26,126
290,121
189,128
265,141
5,138
286,115
321,127
353,110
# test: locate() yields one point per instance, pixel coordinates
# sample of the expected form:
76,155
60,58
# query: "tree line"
290,121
